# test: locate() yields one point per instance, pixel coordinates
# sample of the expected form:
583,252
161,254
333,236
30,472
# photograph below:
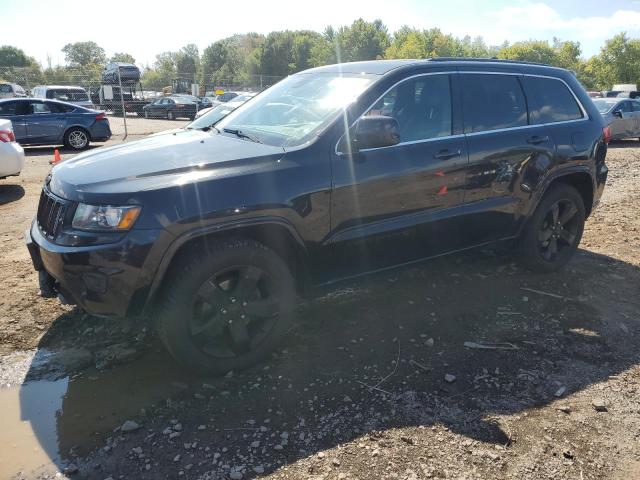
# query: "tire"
537,251
77,138
210,323
170,115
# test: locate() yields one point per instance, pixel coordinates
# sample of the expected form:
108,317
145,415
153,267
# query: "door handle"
446,154
538,139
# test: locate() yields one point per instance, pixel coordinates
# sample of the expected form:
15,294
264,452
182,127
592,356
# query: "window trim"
585,115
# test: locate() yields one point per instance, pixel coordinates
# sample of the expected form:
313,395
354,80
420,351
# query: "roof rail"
487,59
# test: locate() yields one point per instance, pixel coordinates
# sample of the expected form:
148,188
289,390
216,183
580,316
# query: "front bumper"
101,279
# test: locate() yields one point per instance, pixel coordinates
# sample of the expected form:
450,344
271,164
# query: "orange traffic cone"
56,157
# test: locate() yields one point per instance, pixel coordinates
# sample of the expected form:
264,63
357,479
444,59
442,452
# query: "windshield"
293,110
603,105
68,95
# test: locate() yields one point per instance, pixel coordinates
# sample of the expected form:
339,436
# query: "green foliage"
84,54
123,58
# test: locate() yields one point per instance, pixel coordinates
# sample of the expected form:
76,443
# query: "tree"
83,54
361,41
123,58
14,57
531,51
619,61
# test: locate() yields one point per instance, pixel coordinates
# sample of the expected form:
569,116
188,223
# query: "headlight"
105,217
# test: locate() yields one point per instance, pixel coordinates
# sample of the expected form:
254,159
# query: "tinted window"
59,108
38,107
421,105
635,106
4,88
550,101
492,102
7,108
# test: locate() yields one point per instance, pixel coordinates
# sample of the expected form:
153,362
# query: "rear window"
492,101
550,101
67,95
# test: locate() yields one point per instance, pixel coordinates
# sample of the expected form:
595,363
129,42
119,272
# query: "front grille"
51,212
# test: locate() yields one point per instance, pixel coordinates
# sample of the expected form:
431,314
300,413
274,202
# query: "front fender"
230,228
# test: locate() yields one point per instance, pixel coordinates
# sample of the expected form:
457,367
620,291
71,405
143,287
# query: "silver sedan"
622,116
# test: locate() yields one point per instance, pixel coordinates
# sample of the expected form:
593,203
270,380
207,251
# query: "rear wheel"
227,308
76,138
553,233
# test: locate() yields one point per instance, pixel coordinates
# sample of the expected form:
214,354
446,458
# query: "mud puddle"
46,422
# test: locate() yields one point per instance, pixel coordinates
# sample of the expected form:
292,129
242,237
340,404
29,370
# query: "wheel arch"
76,126
579,178
276,234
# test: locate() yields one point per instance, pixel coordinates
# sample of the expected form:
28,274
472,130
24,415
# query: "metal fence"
151,85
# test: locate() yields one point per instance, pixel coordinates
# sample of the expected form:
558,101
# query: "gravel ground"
375,380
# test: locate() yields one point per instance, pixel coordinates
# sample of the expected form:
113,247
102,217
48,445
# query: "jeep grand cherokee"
333,172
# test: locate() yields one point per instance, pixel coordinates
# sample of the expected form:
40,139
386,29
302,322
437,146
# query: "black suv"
333,172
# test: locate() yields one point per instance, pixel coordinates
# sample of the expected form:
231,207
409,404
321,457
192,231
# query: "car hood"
157,162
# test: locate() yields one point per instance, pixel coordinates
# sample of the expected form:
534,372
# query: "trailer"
111,97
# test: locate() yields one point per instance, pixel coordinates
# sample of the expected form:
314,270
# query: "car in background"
69,94
50,122
11,153
11,90
224,109
622,116
129,73
171,108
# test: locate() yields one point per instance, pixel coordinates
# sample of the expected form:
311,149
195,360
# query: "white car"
11,154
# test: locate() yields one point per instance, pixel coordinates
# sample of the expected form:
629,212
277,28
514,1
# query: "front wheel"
76,139
553,233
226,308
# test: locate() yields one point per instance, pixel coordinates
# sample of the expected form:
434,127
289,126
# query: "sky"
143,29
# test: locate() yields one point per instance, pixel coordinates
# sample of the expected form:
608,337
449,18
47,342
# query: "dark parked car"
129,73
171,108
622,116
333,172
49,122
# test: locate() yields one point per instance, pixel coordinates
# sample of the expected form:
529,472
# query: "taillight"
606,131
101,116
7,136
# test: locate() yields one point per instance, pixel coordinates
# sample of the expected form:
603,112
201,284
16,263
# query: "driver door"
397,203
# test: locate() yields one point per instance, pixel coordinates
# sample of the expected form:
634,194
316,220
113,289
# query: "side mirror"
375,132
617,113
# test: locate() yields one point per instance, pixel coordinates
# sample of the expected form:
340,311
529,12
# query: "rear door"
501,143
15,111
43,125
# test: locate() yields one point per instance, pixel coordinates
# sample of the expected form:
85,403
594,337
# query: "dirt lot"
359,388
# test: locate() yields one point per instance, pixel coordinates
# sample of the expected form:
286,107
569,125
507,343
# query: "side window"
625,107
57,108
550,101
38,107
7,108
492,102
635,106
421,105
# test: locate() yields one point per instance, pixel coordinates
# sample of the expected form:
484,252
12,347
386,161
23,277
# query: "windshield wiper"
240,134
